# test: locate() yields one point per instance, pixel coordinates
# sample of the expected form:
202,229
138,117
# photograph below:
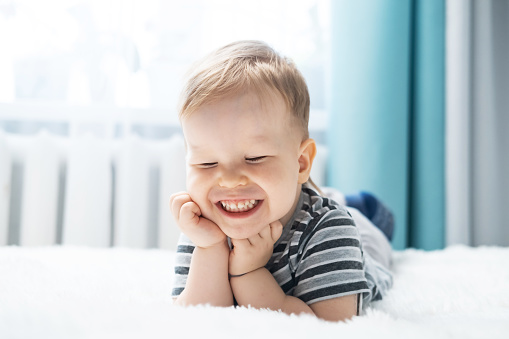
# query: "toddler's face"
243,163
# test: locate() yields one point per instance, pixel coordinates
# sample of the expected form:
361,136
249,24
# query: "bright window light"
97,54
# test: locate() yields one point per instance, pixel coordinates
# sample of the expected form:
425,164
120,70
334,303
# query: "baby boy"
255,229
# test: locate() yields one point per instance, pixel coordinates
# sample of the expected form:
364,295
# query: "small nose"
232,177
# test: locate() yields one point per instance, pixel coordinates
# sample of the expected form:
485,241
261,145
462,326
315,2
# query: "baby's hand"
202,232
250,254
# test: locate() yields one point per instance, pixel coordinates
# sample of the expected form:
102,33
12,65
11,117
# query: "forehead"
246,114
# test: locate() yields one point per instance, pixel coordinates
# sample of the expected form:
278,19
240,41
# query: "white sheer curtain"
477,122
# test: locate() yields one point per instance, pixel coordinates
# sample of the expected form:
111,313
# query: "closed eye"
207,165
256,159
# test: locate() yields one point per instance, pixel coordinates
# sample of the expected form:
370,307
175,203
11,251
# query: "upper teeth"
240,206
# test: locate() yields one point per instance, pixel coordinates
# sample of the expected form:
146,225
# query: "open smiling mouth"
239,206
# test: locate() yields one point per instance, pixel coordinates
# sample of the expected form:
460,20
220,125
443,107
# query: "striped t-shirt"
318,256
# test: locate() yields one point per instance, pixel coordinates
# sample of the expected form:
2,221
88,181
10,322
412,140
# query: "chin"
239,234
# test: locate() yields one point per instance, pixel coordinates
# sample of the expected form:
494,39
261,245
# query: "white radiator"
93,192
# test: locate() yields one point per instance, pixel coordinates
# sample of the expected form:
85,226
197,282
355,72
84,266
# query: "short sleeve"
185,250
331,262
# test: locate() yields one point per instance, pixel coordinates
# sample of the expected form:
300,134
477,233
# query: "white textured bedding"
70,292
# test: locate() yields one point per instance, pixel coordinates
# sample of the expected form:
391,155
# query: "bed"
84,292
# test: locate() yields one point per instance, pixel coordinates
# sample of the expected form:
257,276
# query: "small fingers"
178,194
265,233
240,242
261,237
177,200
174,195
189,211
276,229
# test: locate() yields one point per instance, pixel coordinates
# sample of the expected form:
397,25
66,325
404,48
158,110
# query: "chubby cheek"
197,187
281,183
281,171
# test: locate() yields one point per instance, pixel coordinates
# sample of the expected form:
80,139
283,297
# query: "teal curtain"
387,104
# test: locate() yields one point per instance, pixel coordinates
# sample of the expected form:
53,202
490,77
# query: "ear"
307,152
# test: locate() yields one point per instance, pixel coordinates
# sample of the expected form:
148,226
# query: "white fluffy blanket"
69,292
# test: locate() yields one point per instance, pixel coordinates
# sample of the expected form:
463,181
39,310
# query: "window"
125,60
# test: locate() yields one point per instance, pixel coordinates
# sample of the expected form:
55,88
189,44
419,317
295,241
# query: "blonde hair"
246,65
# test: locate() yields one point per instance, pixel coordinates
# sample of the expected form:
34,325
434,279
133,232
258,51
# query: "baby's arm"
260,290
252,284
207,281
